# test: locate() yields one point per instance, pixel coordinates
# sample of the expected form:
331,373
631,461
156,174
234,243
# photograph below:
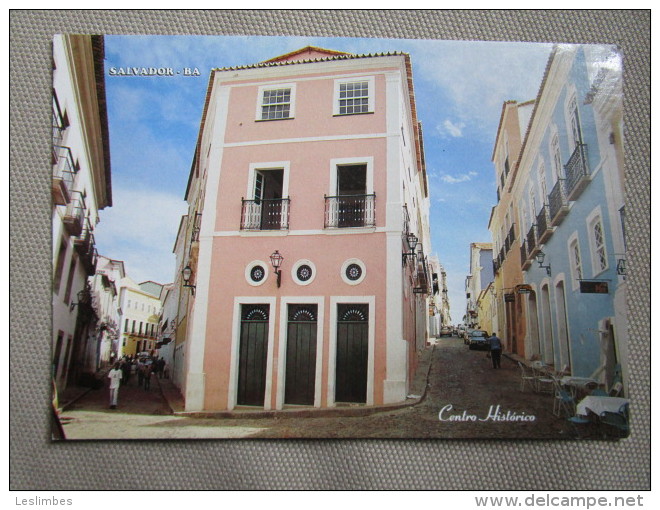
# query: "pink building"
315,156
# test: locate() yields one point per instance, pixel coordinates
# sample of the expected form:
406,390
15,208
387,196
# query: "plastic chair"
564,403
544,382
616,389
618,421
526,378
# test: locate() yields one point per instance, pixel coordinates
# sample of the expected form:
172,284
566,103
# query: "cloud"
460,178
449,128
140,229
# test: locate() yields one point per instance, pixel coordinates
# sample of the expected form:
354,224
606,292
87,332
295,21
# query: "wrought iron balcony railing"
531,242
577,172
345,211
510,238
265,214
558,202
63,175
543,228
74,216
85,245
525,259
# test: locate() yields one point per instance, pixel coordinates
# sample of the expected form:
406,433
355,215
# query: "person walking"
495,350
147,376
115,376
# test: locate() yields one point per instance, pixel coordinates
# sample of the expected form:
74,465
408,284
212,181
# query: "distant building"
481,274
141,308
105,301
509,321
317,157
81,186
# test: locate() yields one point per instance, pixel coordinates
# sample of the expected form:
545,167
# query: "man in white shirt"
115,376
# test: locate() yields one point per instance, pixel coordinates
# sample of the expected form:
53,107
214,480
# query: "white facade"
139,320
80,187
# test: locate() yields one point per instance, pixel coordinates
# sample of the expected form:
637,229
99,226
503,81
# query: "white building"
80,187
140,305
105,301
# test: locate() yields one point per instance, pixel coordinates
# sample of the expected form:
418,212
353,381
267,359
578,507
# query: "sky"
459,87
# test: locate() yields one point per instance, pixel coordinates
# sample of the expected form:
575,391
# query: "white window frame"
594,218
270,165
577,272
292,100
337,162
371,98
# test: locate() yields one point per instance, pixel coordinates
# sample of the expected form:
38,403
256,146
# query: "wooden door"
253,351
352,353
300,380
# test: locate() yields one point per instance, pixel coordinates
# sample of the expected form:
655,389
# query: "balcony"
496,265
510,238
86,248
543,228
532,245
63,174
525,261
346,211
194,236
74,218
577,172
265,214
423,279
558,203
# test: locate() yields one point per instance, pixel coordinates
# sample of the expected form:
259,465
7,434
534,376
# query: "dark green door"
352,353
300,378
253,351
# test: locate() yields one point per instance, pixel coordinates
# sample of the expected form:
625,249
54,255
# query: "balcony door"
351,195
268,198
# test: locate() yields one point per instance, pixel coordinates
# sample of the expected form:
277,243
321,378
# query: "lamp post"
276,260
540,257
187,274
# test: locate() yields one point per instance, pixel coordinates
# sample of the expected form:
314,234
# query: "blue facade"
580,245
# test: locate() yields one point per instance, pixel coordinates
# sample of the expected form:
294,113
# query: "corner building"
316,155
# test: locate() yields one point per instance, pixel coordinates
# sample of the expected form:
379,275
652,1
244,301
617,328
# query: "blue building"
571,212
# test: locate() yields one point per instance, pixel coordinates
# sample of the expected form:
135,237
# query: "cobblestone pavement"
458,377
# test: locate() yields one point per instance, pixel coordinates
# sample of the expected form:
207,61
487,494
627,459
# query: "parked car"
445,331
466,335
478,339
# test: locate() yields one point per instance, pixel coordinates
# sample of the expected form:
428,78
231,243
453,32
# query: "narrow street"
458,377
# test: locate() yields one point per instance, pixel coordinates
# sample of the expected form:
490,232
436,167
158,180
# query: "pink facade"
318,160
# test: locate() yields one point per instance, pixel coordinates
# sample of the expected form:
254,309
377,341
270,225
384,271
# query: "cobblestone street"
458,377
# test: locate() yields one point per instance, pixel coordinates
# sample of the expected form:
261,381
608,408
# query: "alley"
458,377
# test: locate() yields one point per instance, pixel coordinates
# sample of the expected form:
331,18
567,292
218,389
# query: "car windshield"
478,333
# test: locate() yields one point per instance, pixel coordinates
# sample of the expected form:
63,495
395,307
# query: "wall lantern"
187,274
621,267
84,298
540,257
411,240
276,260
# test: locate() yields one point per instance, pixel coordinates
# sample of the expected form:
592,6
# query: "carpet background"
38,464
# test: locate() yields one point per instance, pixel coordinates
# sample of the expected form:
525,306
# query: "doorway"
253,351
352,353
300,379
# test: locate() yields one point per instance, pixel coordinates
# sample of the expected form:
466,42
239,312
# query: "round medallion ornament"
257,273
304,273
353,272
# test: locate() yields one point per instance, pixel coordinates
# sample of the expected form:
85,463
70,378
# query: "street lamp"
276,260
540,257
187,274
411,240
84,298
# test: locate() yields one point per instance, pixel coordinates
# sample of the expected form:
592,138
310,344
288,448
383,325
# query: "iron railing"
74,216
63,174
577,171
543,225
557,202
265,214
345,211
530,241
